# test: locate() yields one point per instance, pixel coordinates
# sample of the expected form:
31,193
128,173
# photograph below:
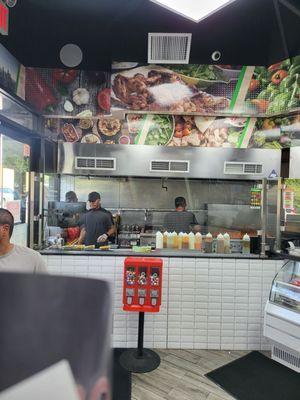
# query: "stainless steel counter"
154,253
286,256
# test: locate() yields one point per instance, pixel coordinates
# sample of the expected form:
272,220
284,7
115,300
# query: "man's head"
94,200
180,203
6,224
71,197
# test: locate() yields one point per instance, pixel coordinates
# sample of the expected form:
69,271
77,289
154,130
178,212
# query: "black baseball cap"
93,196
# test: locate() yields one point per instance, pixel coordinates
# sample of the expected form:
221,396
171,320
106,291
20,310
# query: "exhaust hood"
155,161
294,163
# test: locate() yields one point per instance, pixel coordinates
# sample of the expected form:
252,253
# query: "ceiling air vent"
96,163
169,48
240,168
169,166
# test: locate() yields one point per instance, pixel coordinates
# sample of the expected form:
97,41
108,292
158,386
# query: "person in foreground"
15,258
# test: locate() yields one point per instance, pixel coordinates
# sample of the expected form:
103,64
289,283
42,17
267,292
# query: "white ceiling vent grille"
169,48
95,163
242,168
169,166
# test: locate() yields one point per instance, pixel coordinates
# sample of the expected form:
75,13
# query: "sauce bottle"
175,240
198,241
159,240
220,243
165,240
169,240
208,243
180,237
191,241
185,241
246,244
226,243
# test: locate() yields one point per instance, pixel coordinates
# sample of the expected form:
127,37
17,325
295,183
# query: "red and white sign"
26,150
4,15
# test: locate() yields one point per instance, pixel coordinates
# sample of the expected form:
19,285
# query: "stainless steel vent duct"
95,163
169,166
156,161
242,168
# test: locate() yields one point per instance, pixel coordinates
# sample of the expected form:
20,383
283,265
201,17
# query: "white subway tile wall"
206,303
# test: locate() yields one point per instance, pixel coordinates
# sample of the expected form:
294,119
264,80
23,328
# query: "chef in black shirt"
96,224
181,220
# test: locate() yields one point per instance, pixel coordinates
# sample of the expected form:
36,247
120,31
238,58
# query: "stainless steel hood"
155,161
294,162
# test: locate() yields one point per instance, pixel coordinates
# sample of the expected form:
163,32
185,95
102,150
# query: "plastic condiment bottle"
175,240
180,237
220,243
169,240
226,243
159,240
165,240
191,241
246,244
208,243
185,241
198,241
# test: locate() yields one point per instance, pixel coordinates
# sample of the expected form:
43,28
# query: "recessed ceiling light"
196,10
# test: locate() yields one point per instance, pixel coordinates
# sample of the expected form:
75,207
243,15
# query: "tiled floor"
180,376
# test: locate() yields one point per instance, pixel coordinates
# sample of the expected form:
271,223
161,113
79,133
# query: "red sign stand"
142,287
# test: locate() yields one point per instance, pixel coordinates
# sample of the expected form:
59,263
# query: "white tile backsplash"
206,303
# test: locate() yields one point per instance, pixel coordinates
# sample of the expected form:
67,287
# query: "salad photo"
275,89
276,133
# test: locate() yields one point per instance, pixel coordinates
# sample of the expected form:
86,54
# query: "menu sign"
4,15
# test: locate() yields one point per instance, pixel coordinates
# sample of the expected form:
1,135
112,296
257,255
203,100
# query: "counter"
208,301
154,253
286,256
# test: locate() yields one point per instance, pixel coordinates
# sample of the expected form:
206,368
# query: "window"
14,184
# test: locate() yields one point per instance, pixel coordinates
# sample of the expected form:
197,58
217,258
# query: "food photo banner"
68,92
172,89
207,89
179,131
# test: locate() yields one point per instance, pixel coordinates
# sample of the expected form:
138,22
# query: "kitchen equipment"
148,239
255,244
127,239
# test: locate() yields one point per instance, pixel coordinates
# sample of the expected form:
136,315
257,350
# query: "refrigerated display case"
282,316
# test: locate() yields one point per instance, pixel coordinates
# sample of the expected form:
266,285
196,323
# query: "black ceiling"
246,32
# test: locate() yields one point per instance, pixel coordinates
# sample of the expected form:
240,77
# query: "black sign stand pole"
140,360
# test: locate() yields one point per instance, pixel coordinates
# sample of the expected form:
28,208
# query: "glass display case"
282,316
286,286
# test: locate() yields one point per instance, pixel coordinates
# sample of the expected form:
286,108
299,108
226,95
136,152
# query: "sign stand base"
140,360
